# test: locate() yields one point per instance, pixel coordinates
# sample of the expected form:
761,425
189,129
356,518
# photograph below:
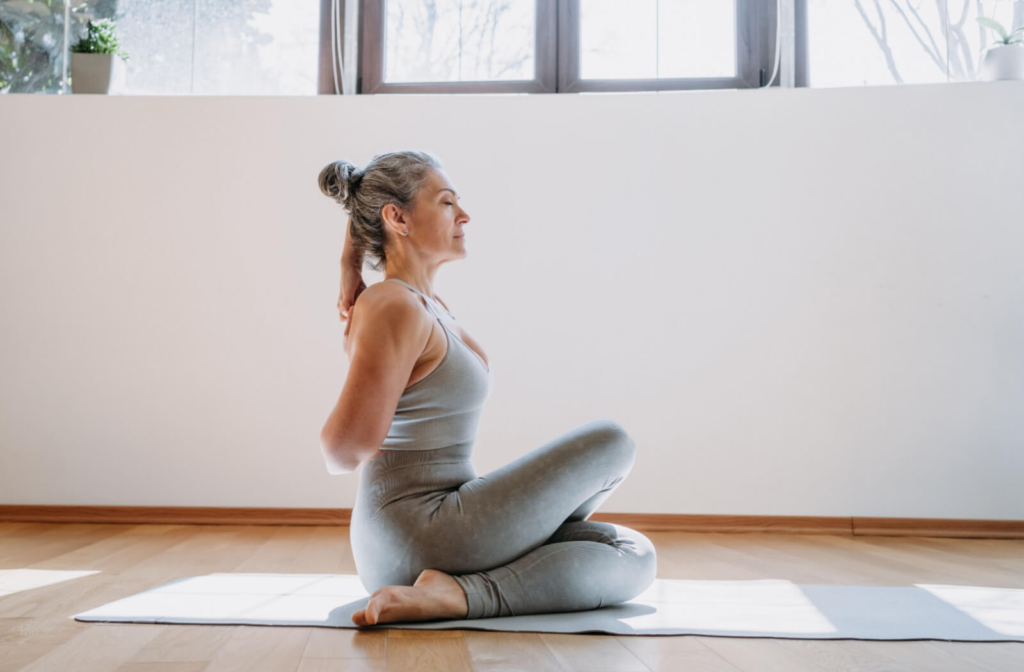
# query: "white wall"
798,302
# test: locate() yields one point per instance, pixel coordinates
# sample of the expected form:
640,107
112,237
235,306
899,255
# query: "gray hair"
395,177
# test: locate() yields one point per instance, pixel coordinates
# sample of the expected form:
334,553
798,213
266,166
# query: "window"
549,46
448,42
616,45
649,39
448,46
305,47
174,47
31,42
871,42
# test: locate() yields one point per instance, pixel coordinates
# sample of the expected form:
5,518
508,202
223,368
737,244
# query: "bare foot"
434,595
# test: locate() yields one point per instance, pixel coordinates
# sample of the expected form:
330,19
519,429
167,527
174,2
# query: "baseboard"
654,522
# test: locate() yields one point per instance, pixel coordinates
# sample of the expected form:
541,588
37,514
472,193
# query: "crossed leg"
586,565
517,540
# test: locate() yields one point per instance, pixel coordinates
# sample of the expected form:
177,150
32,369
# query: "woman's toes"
381,604
433,595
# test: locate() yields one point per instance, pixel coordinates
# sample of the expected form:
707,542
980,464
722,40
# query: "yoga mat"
762,608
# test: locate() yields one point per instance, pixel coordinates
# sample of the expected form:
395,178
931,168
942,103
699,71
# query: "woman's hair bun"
338,179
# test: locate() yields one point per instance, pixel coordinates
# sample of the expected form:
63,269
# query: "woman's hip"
396,475
399,491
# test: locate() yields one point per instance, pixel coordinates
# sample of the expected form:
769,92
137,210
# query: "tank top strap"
432,304
429,301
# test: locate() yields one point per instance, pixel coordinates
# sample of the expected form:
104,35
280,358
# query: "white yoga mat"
764,608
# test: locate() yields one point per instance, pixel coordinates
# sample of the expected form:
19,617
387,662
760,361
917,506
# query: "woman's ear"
393,218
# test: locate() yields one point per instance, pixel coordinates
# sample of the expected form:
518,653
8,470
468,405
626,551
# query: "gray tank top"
444,408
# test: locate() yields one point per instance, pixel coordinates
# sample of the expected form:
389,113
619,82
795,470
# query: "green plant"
1006,37
100,40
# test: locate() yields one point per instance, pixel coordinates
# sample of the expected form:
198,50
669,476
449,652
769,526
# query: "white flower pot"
97,73
1003,61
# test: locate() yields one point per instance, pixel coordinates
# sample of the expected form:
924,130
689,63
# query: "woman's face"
437,218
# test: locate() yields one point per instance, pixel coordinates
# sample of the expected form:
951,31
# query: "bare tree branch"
512,65
939,61
981,32
430,66
483,31
882,40
940,6
961,48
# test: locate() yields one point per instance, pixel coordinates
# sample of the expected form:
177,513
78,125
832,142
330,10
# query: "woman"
431,539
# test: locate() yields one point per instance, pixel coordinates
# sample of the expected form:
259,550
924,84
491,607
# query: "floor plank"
426,651
253,648
591,653
97,649
500,651
668,654
334,643
915,655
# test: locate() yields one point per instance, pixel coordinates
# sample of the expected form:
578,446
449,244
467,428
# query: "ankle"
454,595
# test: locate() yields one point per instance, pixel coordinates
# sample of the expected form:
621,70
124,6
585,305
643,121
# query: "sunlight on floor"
16,580
1000,609
768,605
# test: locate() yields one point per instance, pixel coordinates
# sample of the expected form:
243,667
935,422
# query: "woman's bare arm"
352,284
386,339
348,252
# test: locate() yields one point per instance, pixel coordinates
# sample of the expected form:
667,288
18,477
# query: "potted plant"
97,60
1005,57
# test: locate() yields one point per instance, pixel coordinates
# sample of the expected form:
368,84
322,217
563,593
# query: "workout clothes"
442,409
517,540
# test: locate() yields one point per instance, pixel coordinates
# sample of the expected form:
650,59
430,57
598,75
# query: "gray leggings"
517,540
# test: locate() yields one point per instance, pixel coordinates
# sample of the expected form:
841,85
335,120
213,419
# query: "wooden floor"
37,631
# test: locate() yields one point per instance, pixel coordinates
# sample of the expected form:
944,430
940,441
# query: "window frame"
801,64
557,57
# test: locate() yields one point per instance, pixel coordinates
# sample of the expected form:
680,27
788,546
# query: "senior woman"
431,538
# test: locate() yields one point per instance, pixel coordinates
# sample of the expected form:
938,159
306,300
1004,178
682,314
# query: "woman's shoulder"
389,302
386,295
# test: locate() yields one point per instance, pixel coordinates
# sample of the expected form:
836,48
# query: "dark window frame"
801,75
556,63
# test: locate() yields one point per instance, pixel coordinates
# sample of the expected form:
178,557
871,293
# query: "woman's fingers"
348,297
344,307
346,313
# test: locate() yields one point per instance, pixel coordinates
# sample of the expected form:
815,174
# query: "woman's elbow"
335,459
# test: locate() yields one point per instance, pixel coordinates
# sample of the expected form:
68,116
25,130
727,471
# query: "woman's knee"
608,435
638,564
648,558
645,569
